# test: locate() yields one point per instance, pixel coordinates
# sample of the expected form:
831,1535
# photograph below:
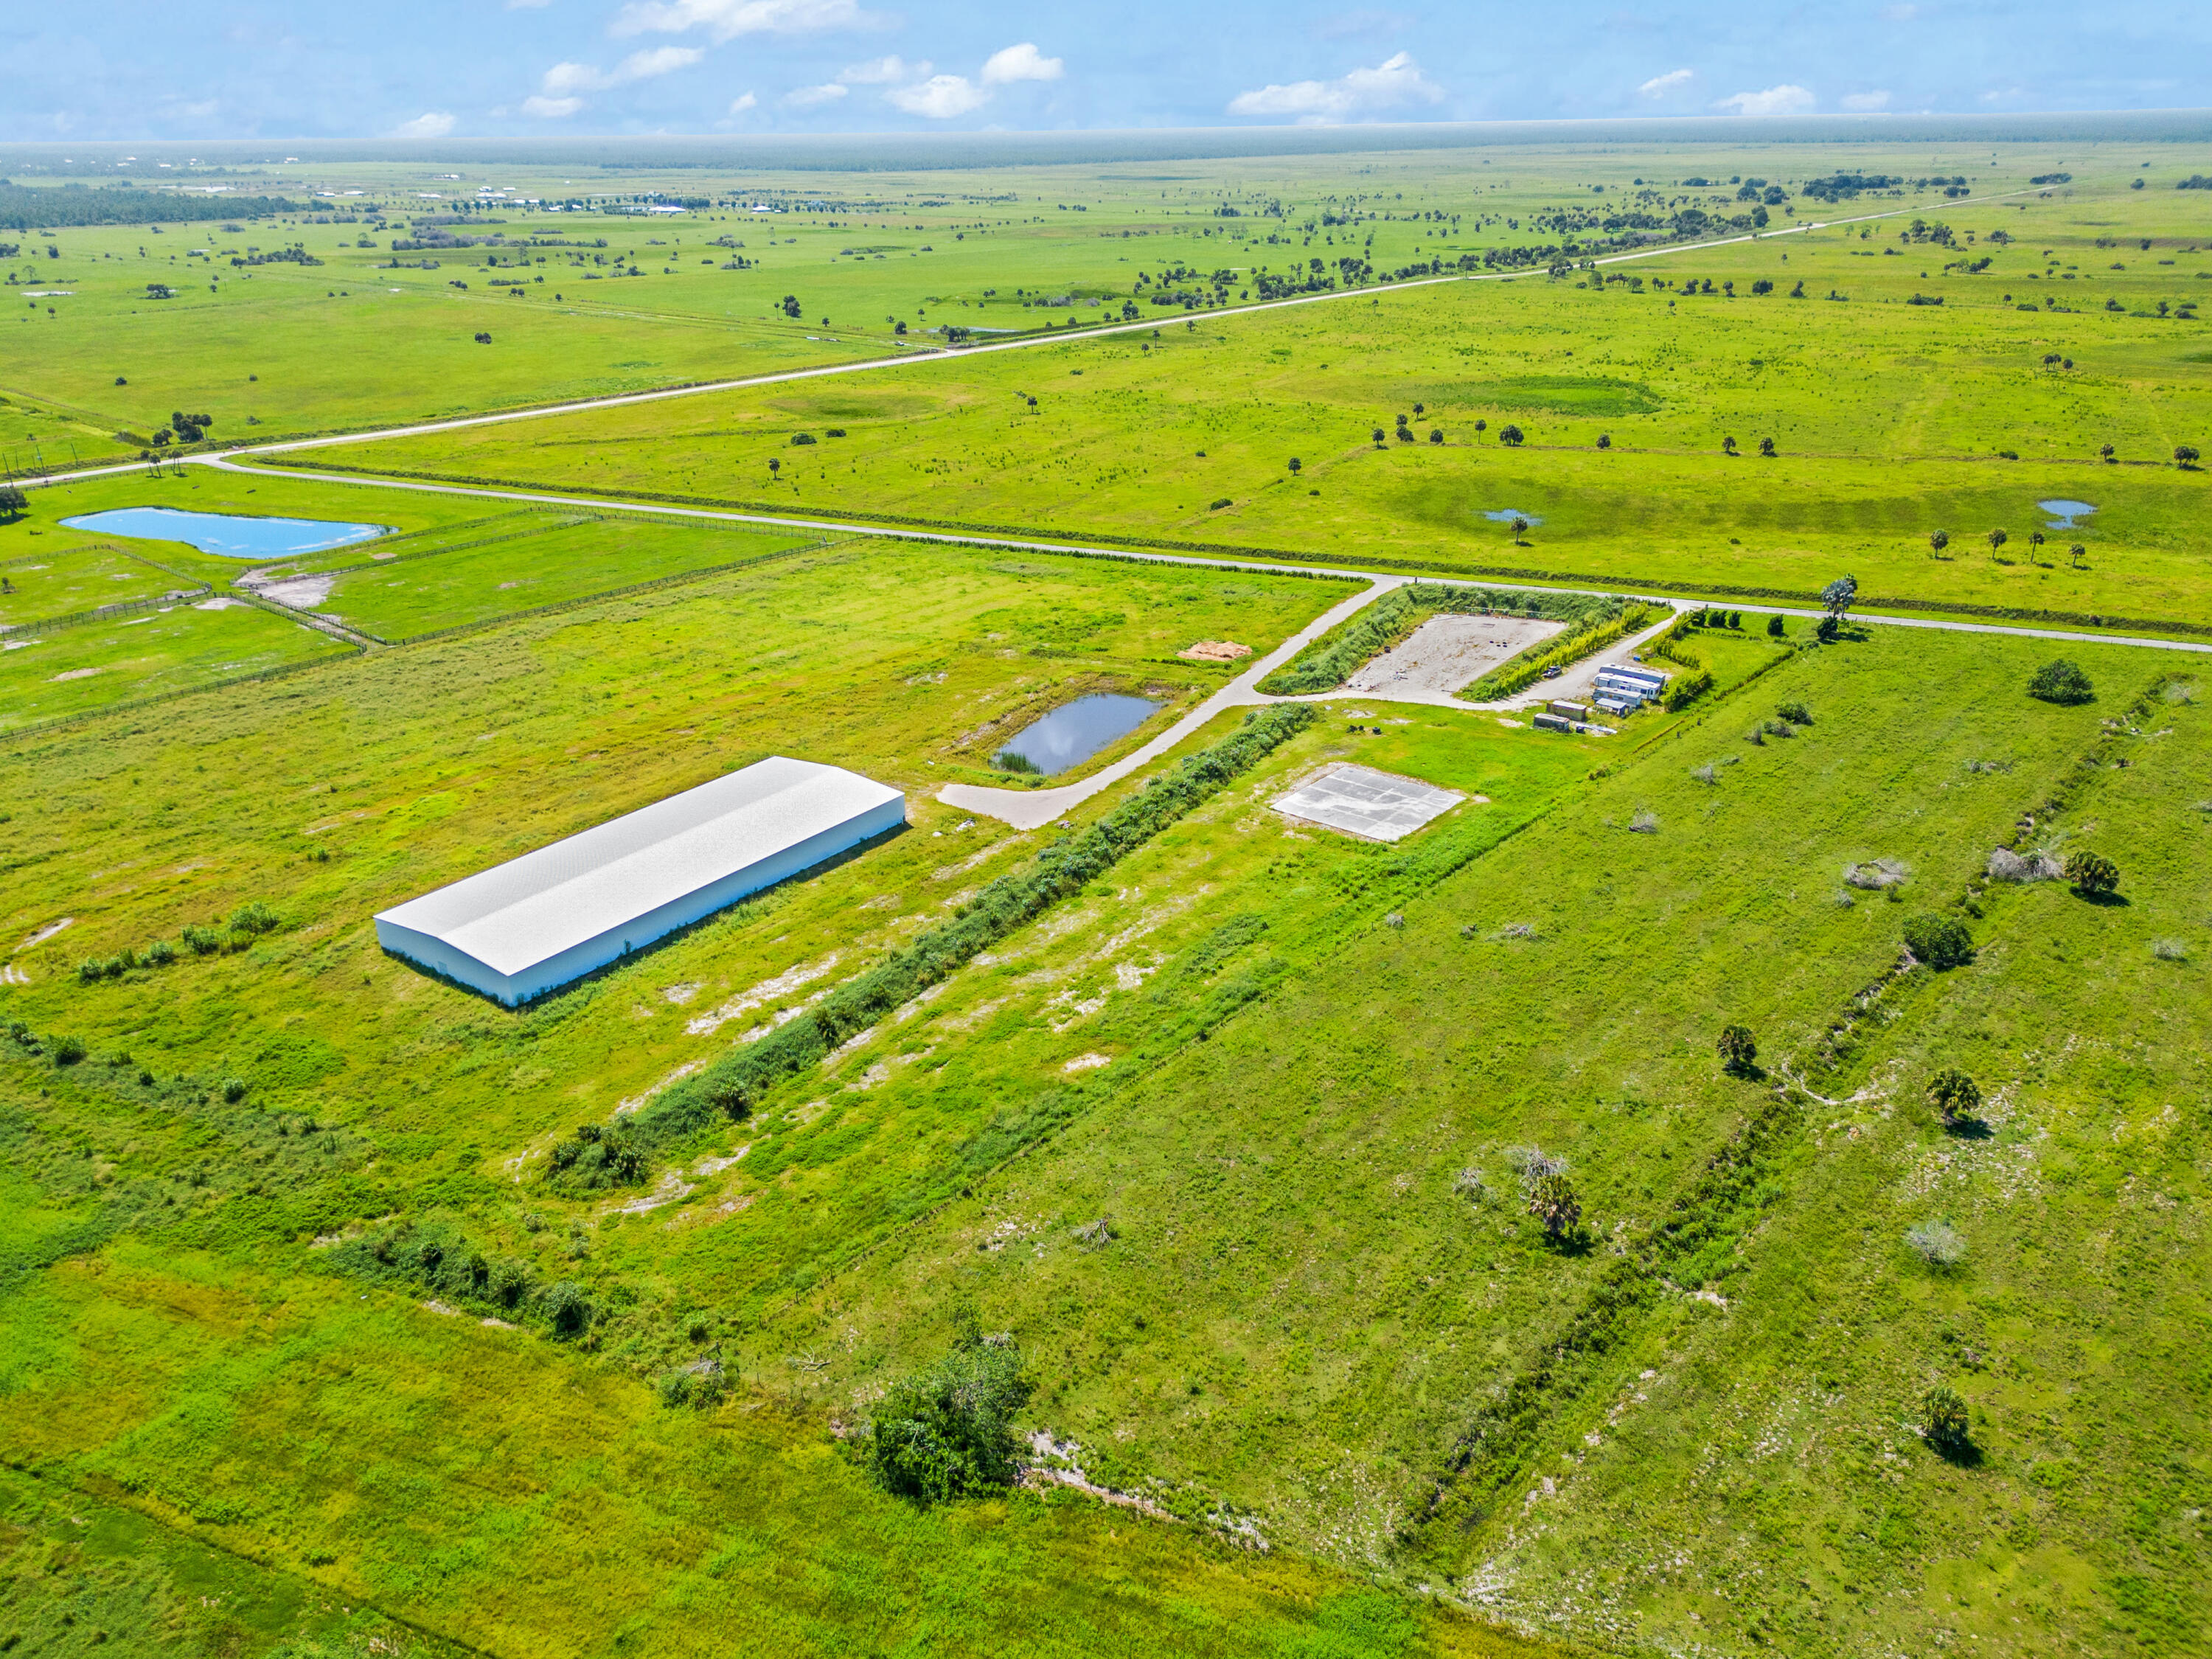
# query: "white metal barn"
520,929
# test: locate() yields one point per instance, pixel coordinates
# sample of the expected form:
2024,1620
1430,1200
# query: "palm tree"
1996,539
2106,452
1520,529
2075,553
2035,542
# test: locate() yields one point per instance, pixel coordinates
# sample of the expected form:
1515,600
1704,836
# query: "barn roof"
520,913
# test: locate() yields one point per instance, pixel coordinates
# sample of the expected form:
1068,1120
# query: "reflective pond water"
1507,514
1075,731
233,535
2063,513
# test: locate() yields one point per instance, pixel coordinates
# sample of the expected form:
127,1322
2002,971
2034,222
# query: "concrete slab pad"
1360,801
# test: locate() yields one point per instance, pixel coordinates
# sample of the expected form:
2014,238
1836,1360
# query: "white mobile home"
523,928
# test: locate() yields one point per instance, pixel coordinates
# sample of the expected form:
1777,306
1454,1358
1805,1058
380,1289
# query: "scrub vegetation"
1729,1186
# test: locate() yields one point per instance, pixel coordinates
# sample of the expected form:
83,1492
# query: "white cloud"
744,101
883,71
1865,102
1660,85
550,109
940,98
814,97
1021,63
1784,99
436,124
564,78
727,20
656,60
1392,84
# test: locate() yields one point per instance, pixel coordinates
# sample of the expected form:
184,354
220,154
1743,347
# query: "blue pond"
2065,512
1075,731
1506,515
234,536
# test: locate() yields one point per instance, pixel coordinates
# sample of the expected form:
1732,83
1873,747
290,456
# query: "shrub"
508,1284
1936,1243
1686,688
1510,434
2060,680
161,953
2170,950
255,917
1554,1201
802,438
598,1156
566,1308
1706,773
66,1051
2092,874
674,1388
1954,1094
1938,942
1944,1417
203,941
1219,502
1796,713
1008,761
1645,823
1774,626
949,1432
1739,1049
233,1090
1471,1186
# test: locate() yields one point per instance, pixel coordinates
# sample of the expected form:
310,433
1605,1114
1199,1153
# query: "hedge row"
1591,635
735,1084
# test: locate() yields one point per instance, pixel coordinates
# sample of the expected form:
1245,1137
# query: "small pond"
1075,731
1507,514
233,535
2063,513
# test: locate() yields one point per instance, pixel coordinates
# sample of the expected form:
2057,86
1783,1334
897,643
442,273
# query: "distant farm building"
521,928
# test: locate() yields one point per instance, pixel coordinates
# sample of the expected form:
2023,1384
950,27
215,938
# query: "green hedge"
734,1083
1593,633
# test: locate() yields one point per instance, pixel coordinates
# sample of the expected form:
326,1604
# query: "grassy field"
1890,422
179,647
367,336
311,1338
1224,1051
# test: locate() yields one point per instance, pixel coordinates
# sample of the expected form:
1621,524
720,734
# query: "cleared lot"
1360,801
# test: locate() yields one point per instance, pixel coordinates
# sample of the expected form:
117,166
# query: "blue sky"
471,68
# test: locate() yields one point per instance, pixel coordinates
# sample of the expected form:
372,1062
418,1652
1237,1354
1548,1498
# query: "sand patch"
1446,652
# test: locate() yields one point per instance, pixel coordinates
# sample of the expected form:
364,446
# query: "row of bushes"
440,1262
1331,659
1593,633
734,1083
247,923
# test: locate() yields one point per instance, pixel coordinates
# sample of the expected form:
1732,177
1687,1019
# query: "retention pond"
1073,732
233,535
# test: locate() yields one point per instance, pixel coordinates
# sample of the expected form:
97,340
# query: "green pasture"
1233,1142
180,647
1262,1053
1890,422
538,559
35,588
277,349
